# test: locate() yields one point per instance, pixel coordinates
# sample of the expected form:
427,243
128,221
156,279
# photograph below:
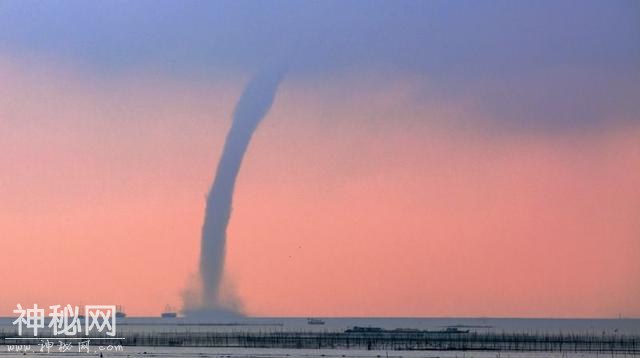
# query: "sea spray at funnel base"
252,107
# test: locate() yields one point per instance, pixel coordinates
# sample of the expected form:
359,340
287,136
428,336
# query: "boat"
455,330
81,311
120,312
413,331
169,312
405,330
314,321
357,329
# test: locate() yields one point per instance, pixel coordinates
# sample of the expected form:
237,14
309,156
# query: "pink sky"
354,199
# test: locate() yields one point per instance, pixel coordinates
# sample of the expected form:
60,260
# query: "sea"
620,326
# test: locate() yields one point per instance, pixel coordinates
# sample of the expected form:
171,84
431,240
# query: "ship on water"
169,312
369,330
315,321
120,313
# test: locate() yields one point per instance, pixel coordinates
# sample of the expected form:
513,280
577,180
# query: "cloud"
541,65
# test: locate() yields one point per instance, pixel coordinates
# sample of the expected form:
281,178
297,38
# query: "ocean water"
498,325
170,352
481,325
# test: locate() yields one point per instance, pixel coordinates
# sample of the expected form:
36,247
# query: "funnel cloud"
252,107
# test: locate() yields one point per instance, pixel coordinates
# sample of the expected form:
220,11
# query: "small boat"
314,321
81,311
120,312
169,312
455,330
412,331
357,329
